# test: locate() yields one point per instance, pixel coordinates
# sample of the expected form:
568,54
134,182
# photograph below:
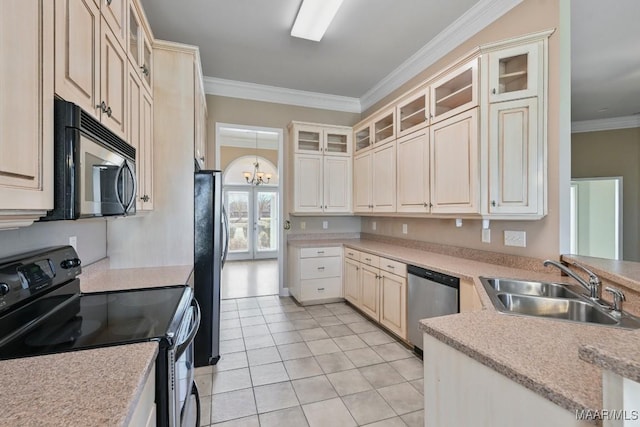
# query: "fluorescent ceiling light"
314,18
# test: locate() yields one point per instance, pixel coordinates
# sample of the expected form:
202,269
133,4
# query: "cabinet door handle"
320,252
321,289
493,91
390,266
320,268
368,259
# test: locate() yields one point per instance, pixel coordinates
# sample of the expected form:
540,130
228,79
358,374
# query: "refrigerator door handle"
225,221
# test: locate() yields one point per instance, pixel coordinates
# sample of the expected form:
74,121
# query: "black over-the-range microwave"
94,169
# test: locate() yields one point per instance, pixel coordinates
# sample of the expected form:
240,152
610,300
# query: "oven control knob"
4,289
70,263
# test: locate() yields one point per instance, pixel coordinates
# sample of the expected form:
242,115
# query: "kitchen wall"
613,153
229,154
543,237
91,237
257,113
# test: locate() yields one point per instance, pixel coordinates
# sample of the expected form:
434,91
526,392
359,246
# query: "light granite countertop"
98,387
625,273
559,360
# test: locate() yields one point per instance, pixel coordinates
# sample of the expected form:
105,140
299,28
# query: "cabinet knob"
102,106
145,69
493,203
109,2
108,111
493,91
145,198
426,205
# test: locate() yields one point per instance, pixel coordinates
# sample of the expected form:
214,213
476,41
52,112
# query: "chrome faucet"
593,285
618,297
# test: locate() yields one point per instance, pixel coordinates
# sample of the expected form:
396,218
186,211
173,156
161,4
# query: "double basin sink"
552,301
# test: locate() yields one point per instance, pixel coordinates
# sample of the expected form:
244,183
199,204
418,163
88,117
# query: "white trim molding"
280,95
470,23
612,123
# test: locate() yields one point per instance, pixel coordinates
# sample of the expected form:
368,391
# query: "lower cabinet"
378,287
315,274
144,413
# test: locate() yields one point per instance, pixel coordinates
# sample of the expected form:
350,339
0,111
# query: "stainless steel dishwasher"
431,294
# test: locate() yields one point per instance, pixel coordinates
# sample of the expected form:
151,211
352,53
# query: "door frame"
282,179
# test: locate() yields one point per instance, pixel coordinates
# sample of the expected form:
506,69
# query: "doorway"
251,159
596,217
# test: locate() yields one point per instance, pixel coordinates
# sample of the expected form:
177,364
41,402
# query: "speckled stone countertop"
625,273
99,387
98,277
552,358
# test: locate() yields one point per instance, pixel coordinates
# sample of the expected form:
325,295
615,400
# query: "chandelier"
256,177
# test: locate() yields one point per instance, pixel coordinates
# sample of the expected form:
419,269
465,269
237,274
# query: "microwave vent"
91,125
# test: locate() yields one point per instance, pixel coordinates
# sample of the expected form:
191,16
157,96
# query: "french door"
253,221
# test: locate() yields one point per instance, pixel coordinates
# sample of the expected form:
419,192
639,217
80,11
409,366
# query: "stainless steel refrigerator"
211,244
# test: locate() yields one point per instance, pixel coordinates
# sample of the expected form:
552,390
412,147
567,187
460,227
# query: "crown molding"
470,23
280,95
612,123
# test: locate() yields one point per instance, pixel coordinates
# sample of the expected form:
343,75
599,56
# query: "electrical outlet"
486,235
373,225
303,225
325,225
73,241
515,238
404,229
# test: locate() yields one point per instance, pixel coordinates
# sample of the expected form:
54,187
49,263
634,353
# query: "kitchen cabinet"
362,137
141,138
139,48
413,173
377,130
26,113
469,298
515,72
201,124
378,287
412,113
515,158
375,179
77,53
321,168
315,274
91,66
454,164
455,92
144,413
115,15
351,283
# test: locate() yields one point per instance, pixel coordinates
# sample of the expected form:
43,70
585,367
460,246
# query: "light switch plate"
486,235
325,225
515,238
373,225
404,229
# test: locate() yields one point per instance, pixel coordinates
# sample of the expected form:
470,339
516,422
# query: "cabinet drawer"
315,289
318,268
368,259
352,254
394,267
320,252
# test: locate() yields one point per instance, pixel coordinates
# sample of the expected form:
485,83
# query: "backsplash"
91,237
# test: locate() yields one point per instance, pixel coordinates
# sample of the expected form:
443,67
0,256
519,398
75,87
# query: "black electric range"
42,311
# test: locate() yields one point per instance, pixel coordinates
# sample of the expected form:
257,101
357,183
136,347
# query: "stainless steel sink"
552,301
525,287
567,309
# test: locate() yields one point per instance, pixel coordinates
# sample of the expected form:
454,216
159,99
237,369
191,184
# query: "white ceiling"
370,40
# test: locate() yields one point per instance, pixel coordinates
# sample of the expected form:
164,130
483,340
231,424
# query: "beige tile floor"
242,279
319,366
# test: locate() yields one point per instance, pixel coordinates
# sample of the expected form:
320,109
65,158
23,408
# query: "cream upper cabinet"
369,291
141,137
113,83
413,173
454,164
115,13
352,281
412,113
322,168
515,158
384,126
201,123
384,178
77,59
515,72
337,184
455,92
308,183
138,46
393,303
362,183
26,113
362,139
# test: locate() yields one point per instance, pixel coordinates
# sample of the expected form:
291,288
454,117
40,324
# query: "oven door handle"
192,333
